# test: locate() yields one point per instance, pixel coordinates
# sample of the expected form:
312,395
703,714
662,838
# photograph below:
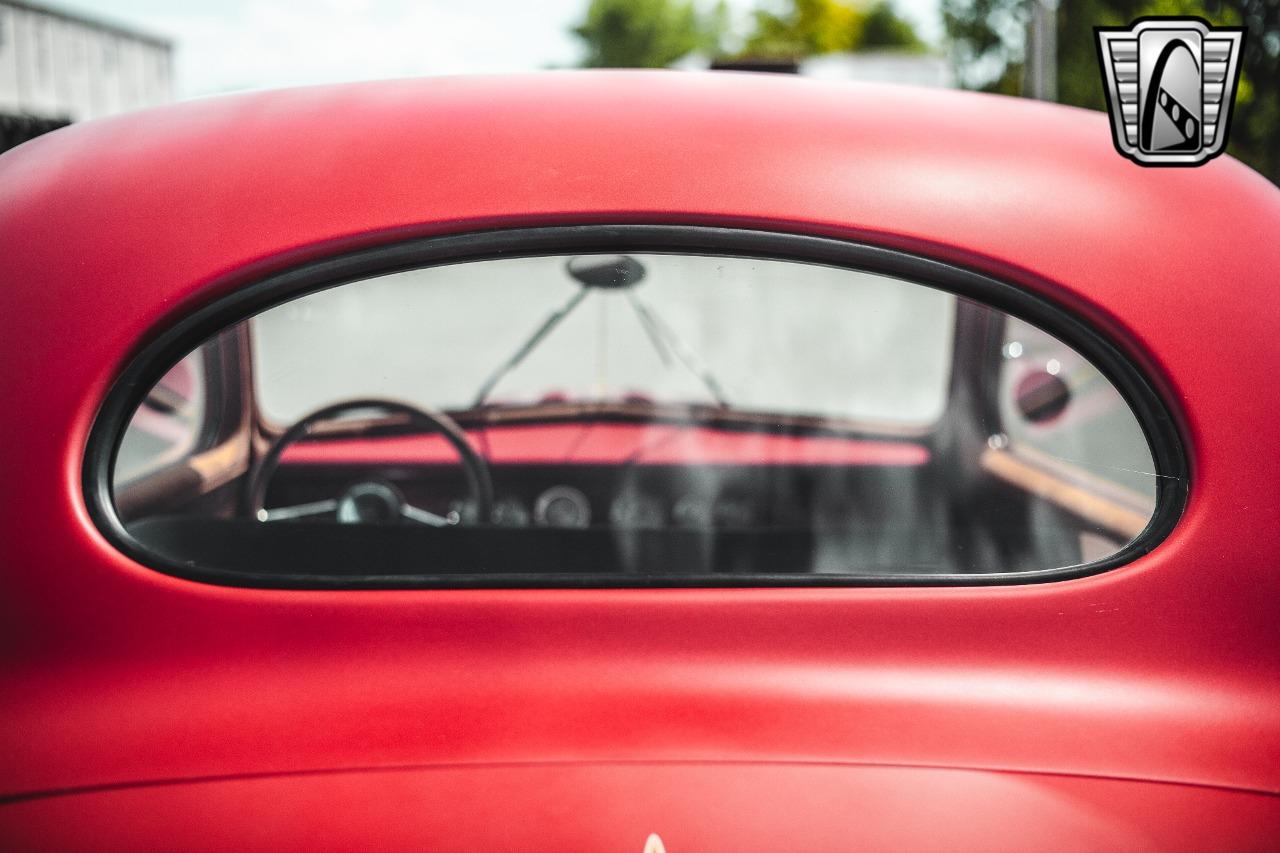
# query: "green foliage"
647,33
884,30
1079,77
793,29
656,33
803,28
987,38
1255,127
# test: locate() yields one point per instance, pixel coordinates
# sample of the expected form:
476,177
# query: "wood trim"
1085,503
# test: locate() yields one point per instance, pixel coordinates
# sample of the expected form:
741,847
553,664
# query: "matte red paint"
1167,669
610,444
694,807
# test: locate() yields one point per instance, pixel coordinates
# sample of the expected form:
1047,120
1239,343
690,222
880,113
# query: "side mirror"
1041,396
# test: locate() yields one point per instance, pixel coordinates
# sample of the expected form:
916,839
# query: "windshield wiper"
665,341
527,347
611,272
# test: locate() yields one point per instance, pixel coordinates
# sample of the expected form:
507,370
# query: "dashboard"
580,497
620,475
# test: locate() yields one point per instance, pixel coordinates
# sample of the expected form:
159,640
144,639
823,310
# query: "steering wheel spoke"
427,517
287,513
374,501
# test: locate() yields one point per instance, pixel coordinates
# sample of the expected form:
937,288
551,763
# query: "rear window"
640,418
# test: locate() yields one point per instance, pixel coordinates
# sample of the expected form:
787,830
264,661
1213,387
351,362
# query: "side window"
1070,431
167,427
638,419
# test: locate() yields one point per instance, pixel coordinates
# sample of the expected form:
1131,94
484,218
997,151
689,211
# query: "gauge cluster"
582,497
543,498
569,507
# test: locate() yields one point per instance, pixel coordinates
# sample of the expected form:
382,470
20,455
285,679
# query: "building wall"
878,66
57,65
914,69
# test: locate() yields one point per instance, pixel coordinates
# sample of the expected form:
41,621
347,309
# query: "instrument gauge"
563,507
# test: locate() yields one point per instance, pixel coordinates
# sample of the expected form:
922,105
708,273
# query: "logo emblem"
1170,84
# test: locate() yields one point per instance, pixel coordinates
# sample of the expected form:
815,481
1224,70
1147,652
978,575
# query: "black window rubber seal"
174,342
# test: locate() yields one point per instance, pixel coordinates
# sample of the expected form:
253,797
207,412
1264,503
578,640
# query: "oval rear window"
633,419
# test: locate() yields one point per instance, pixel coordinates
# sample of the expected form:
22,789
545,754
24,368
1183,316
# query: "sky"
232,45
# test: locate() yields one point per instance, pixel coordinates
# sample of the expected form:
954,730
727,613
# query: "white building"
64,66
882,66
874,66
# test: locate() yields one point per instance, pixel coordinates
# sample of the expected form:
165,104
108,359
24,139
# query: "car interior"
626,427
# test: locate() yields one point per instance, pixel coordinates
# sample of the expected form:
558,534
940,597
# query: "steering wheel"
374,501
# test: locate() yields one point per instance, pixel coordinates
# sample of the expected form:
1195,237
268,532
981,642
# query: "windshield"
754,335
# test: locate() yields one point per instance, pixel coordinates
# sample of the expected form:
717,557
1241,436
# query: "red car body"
1134,709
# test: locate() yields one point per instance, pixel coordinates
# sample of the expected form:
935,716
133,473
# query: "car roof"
112,230
219,183
138,218
224,181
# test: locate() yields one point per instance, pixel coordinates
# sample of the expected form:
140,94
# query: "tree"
646,33
804,28
656,33
988,38
798,28
884,30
